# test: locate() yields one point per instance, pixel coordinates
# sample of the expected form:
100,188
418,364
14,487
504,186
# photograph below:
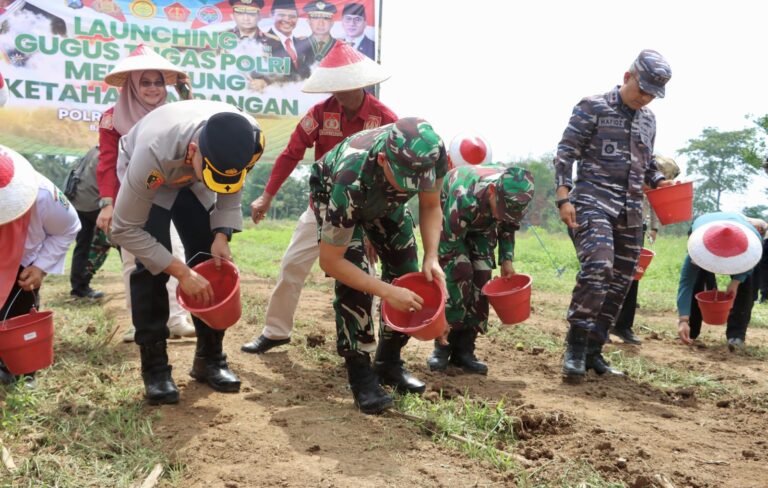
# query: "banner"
54,55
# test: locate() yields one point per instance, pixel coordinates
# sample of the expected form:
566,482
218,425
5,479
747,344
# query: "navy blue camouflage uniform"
614,147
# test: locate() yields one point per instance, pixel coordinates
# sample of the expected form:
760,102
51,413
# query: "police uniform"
324,126
160,187
320,9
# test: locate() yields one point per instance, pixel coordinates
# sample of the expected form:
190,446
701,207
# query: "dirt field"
294,424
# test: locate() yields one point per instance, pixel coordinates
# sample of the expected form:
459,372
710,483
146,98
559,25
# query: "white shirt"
355,41
52,228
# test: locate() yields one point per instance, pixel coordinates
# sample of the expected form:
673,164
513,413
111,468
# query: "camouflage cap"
515,192
667,166
413,149
653,72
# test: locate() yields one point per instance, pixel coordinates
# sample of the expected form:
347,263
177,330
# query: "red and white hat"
344,68
725,247
469,149
143,58
18,185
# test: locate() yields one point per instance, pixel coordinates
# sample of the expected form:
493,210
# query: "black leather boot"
391,369
438,361
574,361
210,364
159,387
463,351
595,360
370,397
626,335
262,344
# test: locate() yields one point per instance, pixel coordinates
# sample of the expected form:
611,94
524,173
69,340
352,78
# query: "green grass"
85,423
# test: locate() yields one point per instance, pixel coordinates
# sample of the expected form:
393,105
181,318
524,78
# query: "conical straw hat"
18,185
143,58
344,68
725,247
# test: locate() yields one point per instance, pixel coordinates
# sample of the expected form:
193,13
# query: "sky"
513,70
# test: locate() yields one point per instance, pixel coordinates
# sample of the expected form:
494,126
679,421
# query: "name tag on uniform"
611,122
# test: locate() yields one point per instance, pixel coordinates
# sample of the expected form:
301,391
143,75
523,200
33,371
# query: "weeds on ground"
85,423
481,429
573,474
665,377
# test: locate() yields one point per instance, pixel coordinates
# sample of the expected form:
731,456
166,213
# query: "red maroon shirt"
324,126
106,170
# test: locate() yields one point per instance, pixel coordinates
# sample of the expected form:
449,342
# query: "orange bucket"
425,324
646,255
225,310
510,297
672,204
26,342
715,306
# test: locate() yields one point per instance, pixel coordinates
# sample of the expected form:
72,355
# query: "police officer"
482,206
361,187
247,14
320,15
186,162
611,136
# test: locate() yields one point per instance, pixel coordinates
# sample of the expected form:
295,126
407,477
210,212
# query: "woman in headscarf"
143,77
37,225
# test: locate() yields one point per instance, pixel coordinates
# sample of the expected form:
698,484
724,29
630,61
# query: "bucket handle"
207,254
10,305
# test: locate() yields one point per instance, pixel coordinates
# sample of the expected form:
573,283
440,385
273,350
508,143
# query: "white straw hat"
725,247
344,68
143,58
18,185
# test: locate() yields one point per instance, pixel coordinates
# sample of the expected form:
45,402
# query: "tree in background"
290,201
55,168
726,160
541,211
756,211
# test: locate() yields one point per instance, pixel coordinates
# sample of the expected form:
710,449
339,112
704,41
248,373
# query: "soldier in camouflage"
360,188
480,206
611,136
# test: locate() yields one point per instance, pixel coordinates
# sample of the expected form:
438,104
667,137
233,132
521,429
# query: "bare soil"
294,423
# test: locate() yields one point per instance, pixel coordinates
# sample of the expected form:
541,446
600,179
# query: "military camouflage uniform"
470,233
351,197
614,147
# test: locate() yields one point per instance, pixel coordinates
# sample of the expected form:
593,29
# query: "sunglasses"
147,83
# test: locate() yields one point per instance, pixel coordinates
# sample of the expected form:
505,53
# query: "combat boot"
438,361
463,351
210,364
391,369
595,360
369,396
574,361
159,387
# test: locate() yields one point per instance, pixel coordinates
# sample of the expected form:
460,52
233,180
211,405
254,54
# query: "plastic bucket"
715,306
225,310
510,297
425,324
26,342
646,255
672,204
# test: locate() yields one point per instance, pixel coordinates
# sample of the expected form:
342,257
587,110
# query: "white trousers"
295,267
177,314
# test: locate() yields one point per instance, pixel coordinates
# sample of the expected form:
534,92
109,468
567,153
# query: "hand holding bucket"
427,320
224,308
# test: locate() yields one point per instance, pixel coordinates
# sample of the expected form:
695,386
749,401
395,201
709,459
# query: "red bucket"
225,310
26,342
672,204
510,297
425,324
715,306
646,255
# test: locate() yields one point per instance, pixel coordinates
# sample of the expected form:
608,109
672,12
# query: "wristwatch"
103,202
